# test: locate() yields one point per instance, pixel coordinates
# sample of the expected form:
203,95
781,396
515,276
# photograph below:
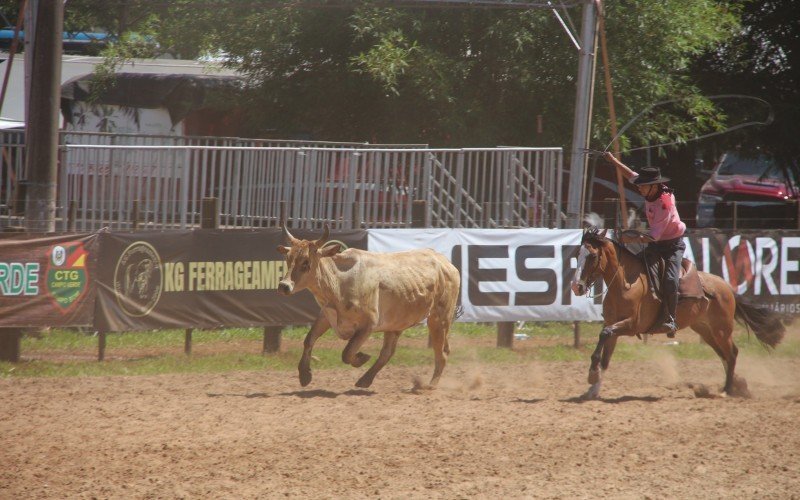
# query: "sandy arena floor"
488,432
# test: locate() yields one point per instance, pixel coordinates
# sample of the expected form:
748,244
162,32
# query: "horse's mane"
593,235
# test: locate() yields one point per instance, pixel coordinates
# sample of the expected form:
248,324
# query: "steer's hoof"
594,376
361,358
305,377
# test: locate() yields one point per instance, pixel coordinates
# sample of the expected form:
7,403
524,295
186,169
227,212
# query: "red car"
749,191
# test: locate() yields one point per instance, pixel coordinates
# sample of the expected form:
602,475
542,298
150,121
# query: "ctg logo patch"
67,275
138,280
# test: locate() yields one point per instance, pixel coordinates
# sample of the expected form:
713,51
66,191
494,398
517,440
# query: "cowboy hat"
649,175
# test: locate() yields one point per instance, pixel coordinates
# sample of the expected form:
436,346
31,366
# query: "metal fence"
112,181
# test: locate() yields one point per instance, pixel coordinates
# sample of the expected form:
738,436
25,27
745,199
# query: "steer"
361,292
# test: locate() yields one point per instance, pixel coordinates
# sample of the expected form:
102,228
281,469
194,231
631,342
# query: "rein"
608,287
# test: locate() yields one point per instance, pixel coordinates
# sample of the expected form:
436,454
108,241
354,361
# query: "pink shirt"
662,215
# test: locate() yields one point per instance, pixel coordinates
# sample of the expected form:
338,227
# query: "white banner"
506,274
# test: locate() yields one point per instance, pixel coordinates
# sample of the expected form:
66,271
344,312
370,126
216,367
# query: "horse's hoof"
591,394
361,358
739,389
305,377
364,382
594,376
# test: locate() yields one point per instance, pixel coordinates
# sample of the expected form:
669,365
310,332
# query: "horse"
630,309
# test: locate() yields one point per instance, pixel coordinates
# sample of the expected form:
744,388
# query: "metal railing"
119,181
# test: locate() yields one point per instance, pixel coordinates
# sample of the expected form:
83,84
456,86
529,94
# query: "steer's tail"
459,311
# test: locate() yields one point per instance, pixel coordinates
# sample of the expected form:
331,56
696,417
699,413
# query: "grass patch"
71,353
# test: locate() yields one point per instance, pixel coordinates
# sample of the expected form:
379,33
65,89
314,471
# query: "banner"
763,265
524,274
47,280
506,275
201,279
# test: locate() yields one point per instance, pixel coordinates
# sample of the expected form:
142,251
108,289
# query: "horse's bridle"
596,274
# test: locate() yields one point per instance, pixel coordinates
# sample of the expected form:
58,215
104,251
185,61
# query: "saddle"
690,286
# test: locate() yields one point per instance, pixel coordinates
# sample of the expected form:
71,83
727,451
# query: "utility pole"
41,141
583,112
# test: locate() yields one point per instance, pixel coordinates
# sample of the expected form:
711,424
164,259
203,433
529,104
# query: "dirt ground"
494,431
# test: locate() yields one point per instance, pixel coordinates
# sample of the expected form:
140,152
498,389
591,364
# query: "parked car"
749,191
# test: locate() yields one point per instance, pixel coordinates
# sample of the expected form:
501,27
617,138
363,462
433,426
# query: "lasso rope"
770,119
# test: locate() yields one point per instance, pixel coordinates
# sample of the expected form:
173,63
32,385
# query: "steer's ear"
283,250
329,250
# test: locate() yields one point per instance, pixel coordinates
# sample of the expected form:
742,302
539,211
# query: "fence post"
72,216
187,341
487,214
505,334
419,213
135,215
101,346
209,219
735,215
272,339
284,210
10,341
209,214
356,222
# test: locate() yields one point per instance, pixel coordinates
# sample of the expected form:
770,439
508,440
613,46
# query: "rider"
666,230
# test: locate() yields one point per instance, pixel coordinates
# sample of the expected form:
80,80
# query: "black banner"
47,280
764,265
200,279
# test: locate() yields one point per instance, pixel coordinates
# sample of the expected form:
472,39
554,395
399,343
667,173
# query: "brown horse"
630,309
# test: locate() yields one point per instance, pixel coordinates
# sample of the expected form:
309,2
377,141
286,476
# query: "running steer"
362,292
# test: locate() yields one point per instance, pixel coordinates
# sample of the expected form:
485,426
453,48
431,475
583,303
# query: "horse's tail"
767,324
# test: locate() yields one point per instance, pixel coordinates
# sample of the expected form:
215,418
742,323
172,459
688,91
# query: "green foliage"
465,76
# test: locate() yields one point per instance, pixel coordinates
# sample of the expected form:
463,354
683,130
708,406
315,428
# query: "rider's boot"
670,326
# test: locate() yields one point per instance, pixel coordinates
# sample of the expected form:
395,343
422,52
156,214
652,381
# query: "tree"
363,70
762,60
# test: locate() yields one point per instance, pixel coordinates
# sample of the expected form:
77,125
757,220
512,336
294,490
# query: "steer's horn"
286,233
326,232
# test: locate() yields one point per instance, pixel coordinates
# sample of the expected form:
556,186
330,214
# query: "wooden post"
135,215
419,213
576,334
72,216
101,346
487,215
505,334
357,215
10,342
209,214
187,341
272,339
284,213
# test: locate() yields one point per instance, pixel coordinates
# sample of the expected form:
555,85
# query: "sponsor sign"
45,281
506,275
201,279
524,274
